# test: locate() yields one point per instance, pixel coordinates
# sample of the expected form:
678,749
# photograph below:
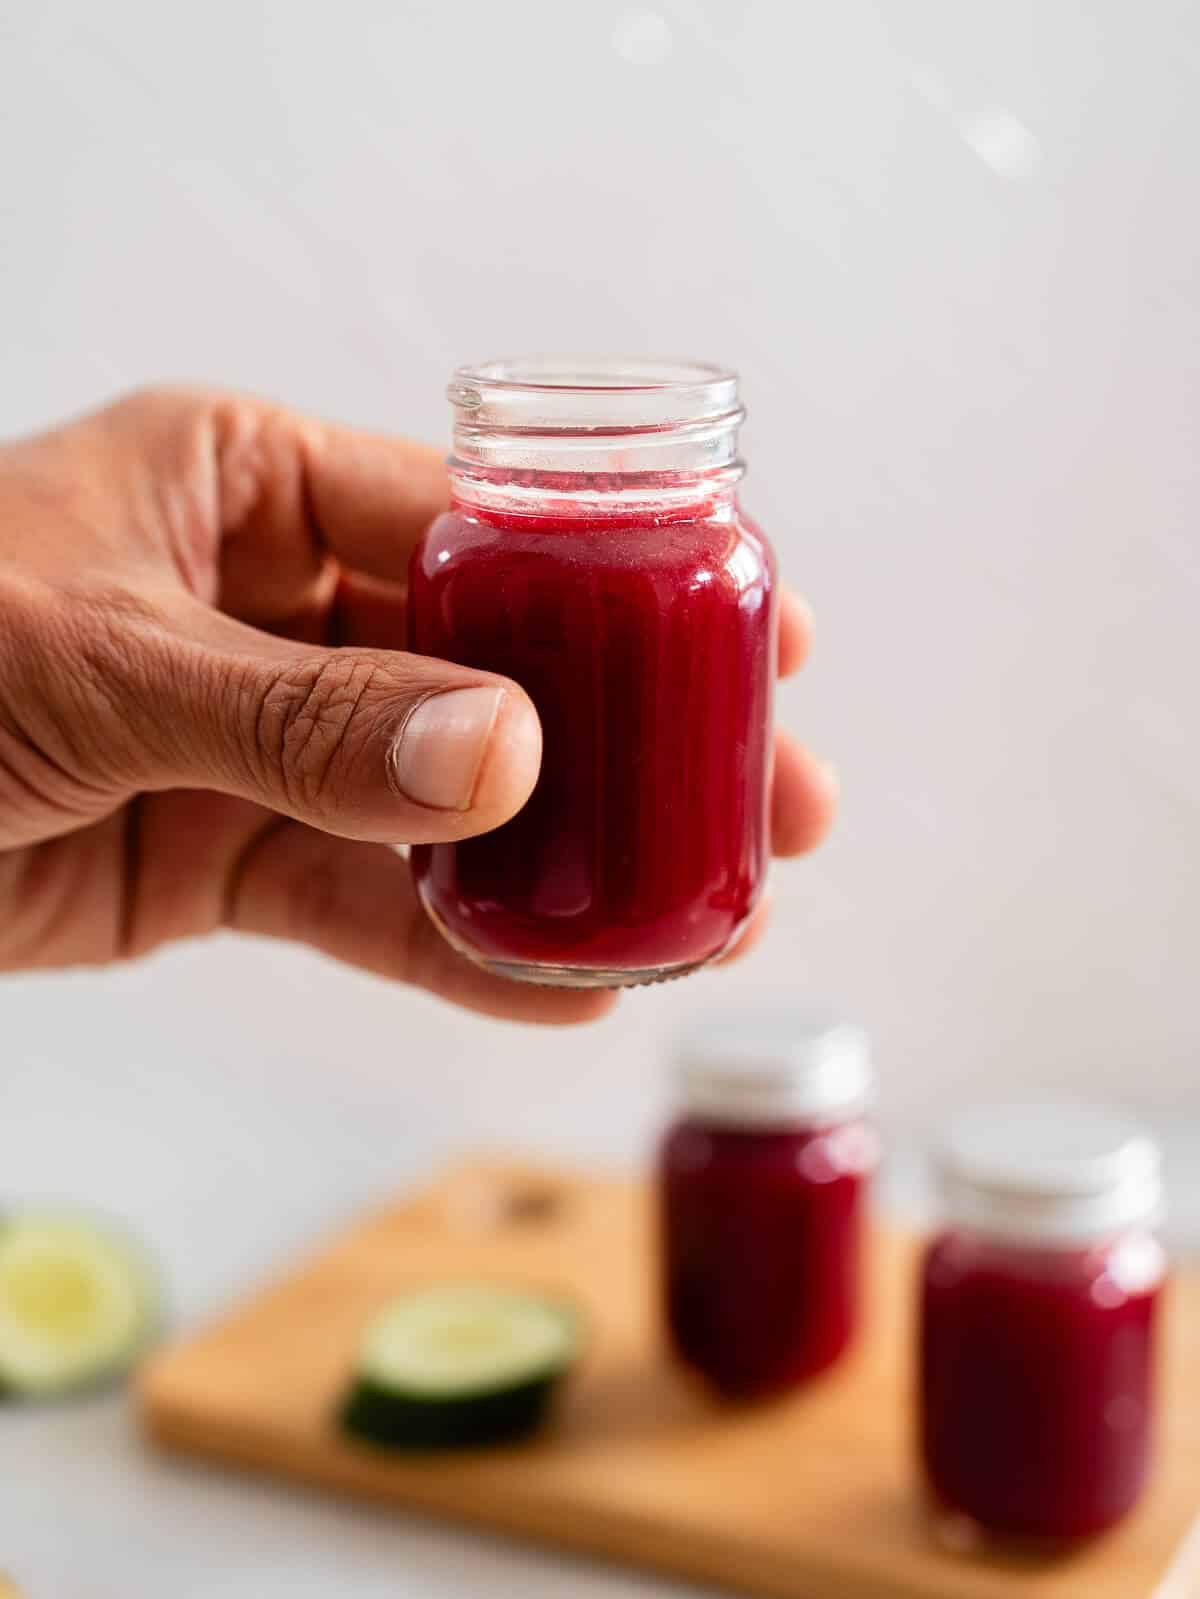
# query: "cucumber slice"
78,1304
461,1365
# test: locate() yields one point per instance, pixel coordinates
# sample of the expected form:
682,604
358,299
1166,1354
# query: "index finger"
300,500
258,508
267,486
371,496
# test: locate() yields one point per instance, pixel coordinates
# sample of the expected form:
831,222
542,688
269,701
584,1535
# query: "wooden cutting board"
806,1498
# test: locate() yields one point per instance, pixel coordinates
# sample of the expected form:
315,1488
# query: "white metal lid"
1050,1173
774,1071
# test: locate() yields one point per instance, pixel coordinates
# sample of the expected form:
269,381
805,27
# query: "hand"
207,718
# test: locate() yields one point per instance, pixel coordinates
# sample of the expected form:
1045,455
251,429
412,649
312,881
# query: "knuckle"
240,460
259,457
145,399
149,401
307,729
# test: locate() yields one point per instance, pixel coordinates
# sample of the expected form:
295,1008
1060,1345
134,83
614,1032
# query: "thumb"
369,744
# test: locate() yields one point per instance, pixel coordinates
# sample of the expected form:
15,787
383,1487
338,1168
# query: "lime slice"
78,1304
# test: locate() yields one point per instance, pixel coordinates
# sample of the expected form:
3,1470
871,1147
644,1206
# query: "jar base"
545,976
548,974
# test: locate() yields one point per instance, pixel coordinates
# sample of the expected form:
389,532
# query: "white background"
952,247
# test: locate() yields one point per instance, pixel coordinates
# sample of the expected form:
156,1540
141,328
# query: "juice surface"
647,644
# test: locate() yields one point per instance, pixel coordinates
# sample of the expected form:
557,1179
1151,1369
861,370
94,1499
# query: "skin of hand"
207,715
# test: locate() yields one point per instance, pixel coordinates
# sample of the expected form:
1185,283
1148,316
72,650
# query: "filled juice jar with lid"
1039,1307
596,553
762,1184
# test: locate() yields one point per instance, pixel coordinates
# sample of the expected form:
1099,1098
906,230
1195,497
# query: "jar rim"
651,413
588,374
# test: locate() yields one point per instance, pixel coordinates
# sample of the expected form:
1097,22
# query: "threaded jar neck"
599,429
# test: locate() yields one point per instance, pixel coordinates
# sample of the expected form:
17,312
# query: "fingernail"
437,758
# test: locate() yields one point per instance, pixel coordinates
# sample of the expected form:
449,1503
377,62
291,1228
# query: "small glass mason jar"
762,1187
1037,1322
596,553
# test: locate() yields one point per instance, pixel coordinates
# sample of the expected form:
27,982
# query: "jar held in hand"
1038,1309
595,553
